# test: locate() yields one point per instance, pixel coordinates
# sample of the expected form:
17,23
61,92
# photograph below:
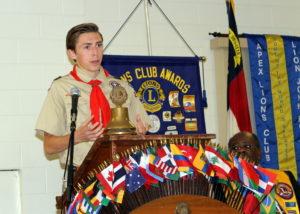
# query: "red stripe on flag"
238,101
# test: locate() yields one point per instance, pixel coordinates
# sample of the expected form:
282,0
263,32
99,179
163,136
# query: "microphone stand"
70,165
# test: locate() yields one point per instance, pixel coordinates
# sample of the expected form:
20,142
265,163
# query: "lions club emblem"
152,95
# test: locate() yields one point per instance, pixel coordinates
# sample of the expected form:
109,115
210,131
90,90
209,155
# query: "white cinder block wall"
32,54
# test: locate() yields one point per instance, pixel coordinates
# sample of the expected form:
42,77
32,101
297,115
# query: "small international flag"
134,180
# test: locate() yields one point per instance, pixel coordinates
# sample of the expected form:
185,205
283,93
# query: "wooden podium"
104,149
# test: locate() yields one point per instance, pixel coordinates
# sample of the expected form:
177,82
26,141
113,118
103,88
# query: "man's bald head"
245,144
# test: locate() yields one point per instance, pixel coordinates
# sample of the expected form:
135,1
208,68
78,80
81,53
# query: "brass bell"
119,123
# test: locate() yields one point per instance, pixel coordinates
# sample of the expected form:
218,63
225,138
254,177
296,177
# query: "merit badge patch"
155,123
284,190
174,99
189,103
191,124
152,95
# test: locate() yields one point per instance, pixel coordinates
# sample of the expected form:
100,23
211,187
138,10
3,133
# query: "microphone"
75,93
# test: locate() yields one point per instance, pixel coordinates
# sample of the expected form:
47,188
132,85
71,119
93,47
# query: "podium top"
105,147
156,137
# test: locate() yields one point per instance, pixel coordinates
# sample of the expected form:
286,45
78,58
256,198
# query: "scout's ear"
71,54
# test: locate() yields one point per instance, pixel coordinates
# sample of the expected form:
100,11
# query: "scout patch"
178,117
189,103
174,99
167,116
190,124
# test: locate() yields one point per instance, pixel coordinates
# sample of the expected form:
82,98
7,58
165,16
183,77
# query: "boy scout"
84,45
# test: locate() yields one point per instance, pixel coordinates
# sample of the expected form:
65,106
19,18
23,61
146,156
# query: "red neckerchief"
98,101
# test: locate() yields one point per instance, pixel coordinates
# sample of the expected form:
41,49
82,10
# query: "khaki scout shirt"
55,116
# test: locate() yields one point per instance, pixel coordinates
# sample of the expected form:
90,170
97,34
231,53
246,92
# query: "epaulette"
57,78
53,81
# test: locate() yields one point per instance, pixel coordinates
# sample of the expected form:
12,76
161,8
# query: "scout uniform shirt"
55,116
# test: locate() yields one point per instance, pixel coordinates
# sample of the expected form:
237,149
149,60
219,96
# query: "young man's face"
88,52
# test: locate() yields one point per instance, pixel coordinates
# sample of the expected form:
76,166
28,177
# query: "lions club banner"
275,77
169,88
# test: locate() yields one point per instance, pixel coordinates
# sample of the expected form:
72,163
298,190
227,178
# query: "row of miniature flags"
171,161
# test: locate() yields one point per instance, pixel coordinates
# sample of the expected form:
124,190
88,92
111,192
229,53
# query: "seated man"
245,144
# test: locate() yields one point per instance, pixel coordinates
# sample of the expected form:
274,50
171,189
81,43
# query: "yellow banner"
281,104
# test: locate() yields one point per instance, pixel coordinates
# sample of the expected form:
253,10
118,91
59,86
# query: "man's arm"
55,144
86,132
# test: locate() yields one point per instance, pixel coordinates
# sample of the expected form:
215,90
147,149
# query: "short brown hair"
76,31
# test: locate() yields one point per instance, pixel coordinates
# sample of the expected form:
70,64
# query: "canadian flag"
106,178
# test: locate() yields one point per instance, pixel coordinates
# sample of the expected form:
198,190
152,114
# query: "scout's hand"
140,126
89,131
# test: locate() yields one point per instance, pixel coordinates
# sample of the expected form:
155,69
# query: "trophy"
119,123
